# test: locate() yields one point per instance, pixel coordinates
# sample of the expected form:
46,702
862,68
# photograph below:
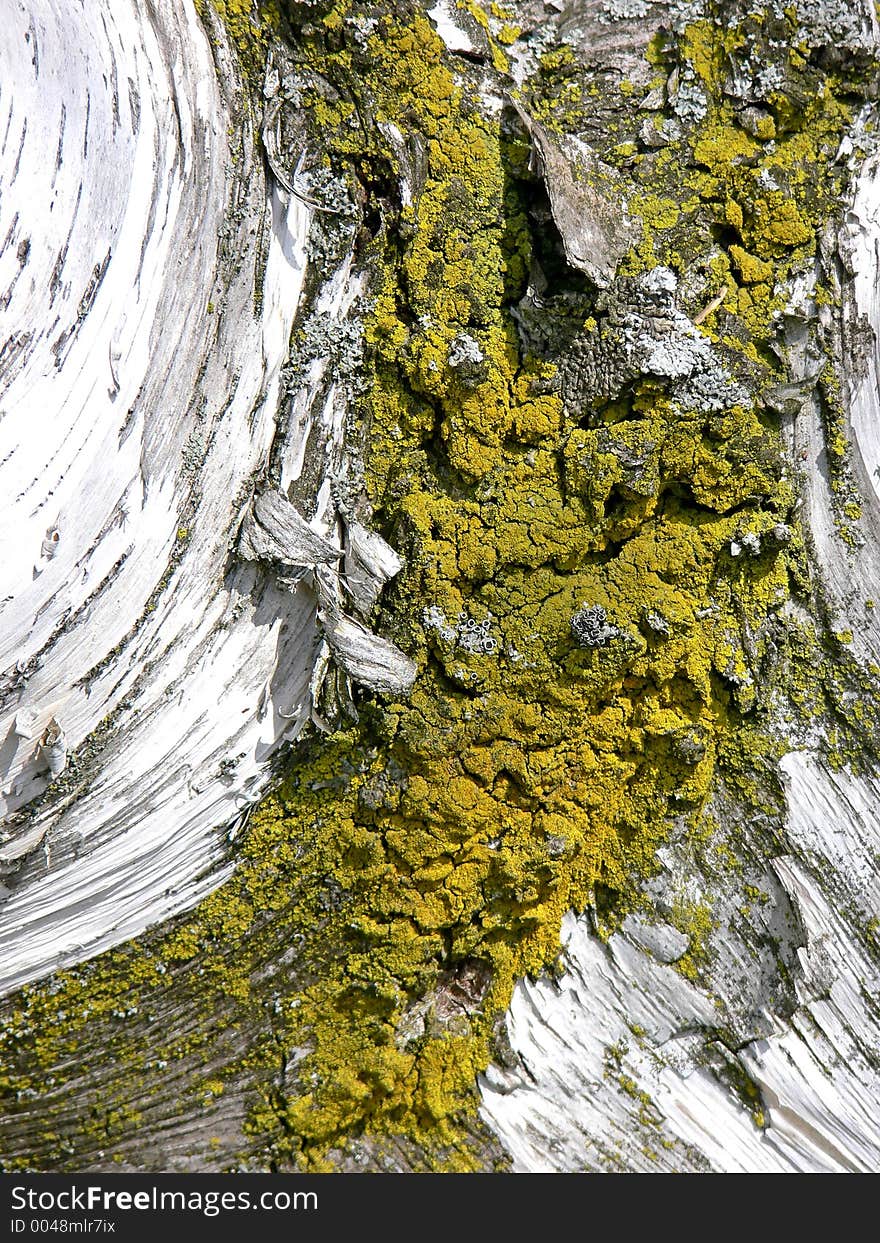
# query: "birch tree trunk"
441,533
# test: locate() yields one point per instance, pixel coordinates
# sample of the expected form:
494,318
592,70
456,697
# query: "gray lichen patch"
590,628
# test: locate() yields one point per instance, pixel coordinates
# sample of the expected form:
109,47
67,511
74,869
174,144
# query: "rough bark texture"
463,425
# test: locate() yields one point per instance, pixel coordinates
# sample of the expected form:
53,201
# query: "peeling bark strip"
273,529
368,658
370,564
586,204
548,352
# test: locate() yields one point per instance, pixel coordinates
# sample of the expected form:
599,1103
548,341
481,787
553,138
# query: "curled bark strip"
275,530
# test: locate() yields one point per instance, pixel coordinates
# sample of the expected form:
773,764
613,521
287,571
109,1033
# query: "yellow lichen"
451,832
